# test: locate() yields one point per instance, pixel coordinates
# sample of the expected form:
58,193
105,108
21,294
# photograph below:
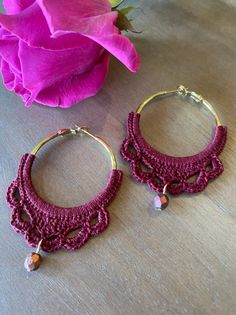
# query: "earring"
48,226
167,173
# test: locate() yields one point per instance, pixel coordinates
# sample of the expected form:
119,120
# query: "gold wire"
181,90
73,131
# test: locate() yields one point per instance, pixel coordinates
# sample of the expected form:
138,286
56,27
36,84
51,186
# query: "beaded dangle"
48,226
168,174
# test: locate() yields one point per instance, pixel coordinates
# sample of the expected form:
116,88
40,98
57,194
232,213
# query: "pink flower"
57,52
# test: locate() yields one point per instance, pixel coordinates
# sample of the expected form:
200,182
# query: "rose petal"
99,28
3,33
16,6
9,52
76,9
7,75
74,89
90,10
12,81
39,35
41,68
67,32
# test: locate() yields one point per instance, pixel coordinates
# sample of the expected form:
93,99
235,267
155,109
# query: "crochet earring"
48,227
171,174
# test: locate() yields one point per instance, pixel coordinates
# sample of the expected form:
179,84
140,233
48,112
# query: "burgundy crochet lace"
54,224
156,169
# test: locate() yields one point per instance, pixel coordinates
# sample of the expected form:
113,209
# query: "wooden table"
182,261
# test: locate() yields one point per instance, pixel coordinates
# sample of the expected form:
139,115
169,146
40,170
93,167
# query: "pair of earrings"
48,226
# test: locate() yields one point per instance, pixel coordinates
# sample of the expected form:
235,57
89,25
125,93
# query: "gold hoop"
181,90
74,131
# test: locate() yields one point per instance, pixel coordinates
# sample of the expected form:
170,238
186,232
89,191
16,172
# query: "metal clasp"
184,91
78,129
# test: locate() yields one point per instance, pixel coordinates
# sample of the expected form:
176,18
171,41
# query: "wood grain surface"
182,261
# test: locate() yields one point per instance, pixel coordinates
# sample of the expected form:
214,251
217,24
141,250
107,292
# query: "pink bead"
161,201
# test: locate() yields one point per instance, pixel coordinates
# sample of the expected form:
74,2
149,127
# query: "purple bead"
32,262
161,201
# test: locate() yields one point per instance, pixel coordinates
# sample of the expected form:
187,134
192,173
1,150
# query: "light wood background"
182,261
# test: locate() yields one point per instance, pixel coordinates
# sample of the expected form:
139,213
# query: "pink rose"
57,52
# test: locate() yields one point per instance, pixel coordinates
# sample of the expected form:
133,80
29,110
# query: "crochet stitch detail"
157,169
38,220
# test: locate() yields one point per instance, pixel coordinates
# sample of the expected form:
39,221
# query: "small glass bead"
32,262
161,201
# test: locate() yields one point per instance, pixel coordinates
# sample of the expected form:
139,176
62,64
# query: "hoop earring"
167,173
48,226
